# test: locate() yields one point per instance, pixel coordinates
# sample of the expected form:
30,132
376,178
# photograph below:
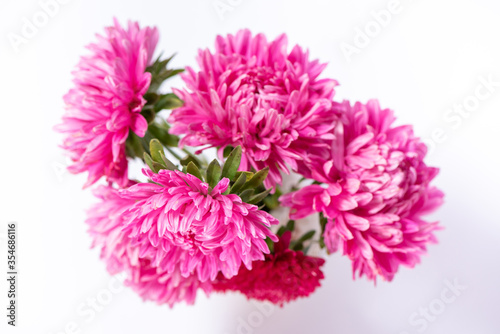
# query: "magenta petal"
140,125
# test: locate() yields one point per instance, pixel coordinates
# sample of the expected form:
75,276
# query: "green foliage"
299,244
213,173
193,170
160,131
232,163
160,73
240,181
157,159
256,180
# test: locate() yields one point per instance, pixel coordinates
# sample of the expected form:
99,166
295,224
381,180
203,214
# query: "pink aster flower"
377,189
107,100
165,288
106,223
180,221
284,276
253,93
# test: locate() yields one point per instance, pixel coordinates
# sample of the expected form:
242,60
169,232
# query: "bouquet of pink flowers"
194,224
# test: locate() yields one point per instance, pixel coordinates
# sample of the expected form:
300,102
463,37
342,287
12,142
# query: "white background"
429,57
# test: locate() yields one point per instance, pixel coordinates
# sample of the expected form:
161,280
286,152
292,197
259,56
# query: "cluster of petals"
375,191
178,221
285,275
106,102
253,93
106,223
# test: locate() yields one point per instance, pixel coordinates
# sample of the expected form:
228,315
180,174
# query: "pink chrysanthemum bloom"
377,190
253,93
165,288
180,221
285,275
106,223
107,100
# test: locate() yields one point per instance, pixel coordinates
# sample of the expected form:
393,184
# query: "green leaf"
240,181
248,174
134,146
296,247
188,159
322,242
149,114
155,147
232,163
272,202
151,98
160,131
259,197
257,179
168,101
270,244
245,195
299,244
213,173
227,150
157,166
149,162
168,164
308,235
290,226
193,170
322,221
160,72
281,230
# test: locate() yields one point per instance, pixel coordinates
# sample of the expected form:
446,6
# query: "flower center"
136,105
187,240
258,77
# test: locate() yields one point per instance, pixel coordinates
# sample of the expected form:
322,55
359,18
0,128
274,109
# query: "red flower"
285,275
